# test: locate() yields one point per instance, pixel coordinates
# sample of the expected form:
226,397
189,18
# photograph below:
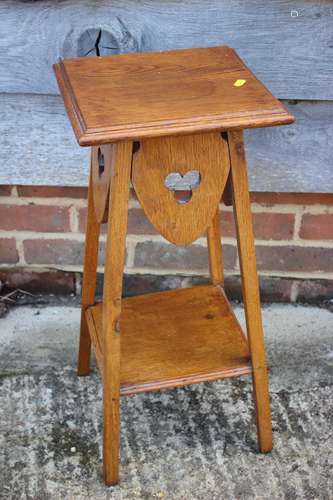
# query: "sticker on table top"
239,83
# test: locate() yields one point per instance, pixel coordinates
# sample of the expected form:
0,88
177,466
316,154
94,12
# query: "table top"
150,94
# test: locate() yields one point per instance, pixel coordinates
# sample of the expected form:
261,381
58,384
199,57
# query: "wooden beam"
287,43
38,147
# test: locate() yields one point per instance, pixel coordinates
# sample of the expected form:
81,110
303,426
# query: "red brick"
227,224
40,218
270,199
315,291
293,258
5,190
266,225
53,252
138,222
56,252
58,282
272,289
82,215
8,252
159,255
137,284
273,226
317,227
264,198
52,192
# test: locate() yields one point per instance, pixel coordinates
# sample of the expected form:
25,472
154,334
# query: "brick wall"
42,245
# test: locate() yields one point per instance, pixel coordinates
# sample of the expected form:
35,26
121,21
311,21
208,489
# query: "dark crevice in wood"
101,162
97,45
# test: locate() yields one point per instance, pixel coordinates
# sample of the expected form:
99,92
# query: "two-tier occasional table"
170,123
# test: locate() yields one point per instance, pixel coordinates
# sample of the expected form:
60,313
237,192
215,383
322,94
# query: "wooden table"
171,123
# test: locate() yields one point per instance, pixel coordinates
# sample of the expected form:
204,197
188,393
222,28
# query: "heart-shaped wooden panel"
196,165
102,158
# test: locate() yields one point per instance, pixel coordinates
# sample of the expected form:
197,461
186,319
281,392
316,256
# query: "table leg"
89,281
215,250
113,276
247,257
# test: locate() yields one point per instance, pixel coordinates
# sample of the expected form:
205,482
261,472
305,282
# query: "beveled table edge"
135,131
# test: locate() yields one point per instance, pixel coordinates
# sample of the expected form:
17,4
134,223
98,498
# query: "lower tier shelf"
175,338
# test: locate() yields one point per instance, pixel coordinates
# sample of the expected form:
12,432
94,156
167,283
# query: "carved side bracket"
102,158
179,182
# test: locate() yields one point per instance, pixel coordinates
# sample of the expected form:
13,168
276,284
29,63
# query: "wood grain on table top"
131,96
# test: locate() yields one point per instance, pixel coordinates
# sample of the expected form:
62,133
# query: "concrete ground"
197,442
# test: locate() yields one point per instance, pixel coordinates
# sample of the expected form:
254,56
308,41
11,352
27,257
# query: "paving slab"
196,442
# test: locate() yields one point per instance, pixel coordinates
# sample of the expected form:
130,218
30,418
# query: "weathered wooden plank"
287,43
296,158
37,147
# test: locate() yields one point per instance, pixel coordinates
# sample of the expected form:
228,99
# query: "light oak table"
170,123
